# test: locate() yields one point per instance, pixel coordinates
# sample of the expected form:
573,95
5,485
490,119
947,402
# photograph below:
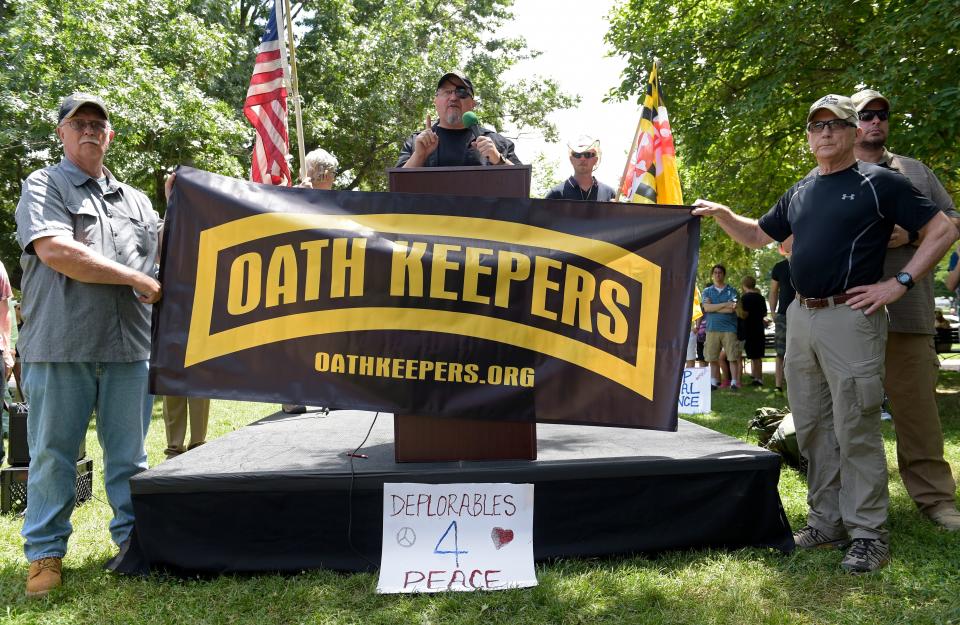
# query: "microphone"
471,121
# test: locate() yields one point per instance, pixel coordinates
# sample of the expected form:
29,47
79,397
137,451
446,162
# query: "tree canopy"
739,77
175,72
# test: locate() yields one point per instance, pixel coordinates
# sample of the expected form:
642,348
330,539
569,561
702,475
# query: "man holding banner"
89,248
841,218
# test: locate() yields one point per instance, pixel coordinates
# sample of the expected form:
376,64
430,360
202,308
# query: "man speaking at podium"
450,142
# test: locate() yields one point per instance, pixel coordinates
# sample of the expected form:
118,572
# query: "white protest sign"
694,391
439,537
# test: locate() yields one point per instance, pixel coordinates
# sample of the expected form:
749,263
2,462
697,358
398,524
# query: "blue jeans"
62,397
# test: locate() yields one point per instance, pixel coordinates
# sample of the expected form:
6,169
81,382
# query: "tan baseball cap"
865,96
839,105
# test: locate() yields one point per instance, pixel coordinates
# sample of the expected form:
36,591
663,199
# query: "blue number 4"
456,548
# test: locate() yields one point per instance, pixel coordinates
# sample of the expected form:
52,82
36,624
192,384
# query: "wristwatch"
905,279
912,237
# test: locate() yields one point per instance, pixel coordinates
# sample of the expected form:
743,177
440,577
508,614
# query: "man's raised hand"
427,141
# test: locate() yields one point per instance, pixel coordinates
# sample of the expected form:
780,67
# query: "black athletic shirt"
786,294
570,190
841,224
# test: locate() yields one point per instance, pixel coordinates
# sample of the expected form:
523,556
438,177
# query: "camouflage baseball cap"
839,105
865,96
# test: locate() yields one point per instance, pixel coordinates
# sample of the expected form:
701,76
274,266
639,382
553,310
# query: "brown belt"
824,302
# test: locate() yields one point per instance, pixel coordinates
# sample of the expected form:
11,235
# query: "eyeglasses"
81,125
583,154
832,124
868,115
461,92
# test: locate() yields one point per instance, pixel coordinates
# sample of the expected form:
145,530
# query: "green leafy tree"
154,64
175,74
369,70
739,77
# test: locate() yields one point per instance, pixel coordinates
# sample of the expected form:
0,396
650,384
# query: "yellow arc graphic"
203,345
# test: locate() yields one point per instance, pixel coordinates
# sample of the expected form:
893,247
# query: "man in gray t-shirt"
90,247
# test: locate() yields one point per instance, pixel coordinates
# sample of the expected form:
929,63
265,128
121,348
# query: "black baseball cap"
74,101
459,76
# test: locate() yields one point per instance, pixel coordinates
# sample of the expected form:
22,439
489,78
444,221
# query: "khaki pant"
175,420
834,369
911,383
726,341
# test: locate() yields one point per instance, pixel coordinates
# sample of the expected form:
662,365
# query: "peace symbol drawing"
406,537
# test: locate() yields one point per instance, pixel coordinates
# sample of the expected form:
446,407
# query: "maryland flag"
650,176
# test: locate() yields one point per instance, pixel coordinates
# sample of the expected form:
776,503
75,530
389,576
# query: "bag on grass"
775,429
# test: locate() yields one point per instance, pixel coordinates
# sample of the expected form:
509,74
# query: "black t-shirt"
841,224
570,190
781,273
751,327
453,148
756,308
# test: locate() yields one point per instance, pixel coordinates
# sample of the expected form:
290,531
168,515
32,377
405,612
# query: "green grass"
921,585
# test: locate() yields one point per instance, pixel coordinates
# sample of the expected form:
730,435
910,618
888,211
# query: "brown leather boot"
44,575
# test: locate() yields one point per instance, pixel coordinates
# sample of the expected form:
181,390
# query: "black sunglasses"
583,154
461,92
868,115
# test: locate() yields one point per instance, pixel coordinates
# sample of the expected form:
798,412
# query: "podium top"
479,181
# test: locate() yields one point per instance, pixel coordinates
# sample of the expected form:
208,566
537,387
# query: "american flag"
266,108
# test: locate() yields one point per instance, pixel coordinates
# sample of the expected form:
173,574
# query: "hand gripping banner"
489,308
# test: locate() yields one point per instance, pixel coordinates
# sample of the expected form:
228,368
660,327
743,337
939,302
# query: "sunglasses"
868,115
461,92
832,124
81,125
583,154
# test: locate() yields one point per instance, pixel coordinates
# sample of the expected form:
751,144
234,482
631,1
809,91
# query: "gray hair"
320,162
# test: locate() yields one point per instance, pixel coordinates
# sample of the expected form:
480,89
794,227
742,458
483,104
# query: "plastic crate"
13,486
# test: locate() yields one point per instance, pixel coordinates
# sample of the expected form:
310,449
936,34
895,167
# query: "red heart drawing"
501,536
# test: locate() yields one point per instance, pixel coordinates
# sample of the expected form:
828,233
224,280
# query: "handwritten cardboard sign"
456,537
694,391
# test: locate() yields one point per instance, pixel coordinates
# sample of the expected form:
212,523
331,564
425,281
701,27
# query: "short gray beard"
453,117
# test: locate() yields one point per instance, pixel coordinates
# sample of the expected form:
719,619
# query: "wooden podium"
419,438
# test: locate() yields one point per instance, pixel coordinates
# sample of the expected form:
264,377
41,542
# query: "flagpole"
295,87
626,166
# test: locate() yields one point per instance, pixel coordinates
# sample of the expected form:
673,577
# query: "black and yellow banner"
566,312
